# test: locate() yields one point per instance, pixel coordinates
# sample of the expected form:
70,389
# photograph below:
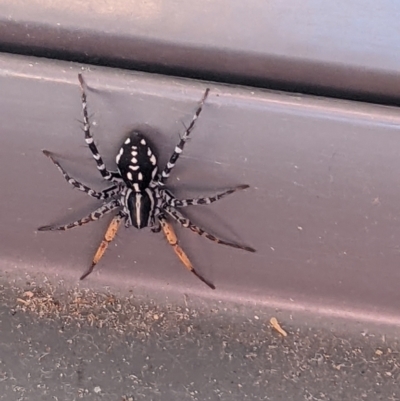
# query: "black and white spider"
138,191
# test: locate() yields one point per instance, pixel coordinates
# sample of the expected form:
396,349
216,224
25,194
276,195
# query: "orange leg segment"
173,241
108,237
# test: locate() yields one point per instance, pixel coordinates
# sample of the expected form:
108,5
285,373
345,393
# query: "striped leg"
179,148
173,241
107,175
97,214
107,193
108,237
205,201
188,224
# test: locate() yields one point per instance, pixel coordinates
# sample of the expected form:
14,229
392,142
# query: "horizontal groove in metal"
339,49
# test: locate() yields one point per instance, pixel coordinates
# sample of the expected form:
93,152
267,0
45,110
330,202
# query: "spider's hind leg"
109,235
173,241
157,226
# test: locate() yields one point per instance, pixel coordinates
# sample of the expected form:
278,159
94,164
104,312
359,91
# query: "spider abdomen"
140,207
137,162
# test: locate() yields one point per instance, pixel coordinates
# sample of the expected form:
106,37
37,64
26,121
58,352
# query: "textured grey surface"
341,48
69,344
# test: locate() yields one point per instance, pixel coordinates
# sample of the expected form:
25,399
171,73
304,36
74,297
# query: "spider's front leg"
173,241
179,148
103,195
106,174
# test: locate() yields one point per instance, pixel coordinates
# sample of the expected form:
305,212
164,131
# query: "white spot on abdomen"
128,141
153,160
129,175
140,176
143,142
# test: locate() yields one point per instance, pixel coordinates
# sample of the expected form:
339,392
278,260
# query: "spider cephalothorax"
138,191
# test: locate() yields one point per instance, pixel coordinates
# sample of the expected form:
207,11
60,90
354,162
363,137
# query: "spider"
138,192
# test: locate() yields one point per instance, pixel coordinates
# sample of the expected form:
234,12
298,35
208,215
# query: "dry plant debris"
277,326
87,307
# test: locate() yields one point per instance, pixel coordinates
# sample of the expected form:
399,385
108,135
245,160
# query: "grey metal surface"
322,210
344,49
